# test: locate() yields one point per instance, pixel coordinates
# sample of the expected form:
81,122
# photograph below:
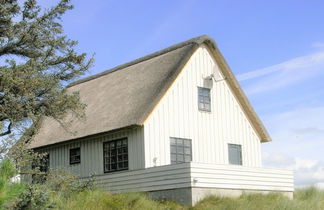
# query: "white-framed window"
204,102
235,154
180,150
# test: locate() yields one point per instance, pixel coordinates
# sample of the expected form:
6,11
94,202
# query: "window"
42,165
235,154
115,155
204,99
75,156
45,163
180,150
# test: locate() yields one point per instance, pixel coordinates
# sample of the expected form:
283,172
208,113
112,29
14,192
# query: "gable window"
75,156
204,99
115,155
235,154
180,150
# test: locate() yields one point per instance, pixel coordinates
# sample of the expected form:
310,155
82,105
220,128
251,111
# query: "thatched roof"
125,95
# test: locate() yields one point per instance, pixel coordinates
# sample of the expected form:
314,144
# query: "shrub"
8,190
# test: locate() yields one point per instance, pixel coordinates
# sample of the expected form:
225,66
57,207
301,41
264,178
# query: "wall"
187,183
177,115
92,152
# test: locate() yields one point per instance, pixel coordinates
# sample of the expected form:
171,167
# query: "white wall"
177,115
92,152
198,175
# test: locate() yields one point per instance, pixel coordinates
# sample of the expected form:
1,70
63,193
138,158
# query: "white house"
174,123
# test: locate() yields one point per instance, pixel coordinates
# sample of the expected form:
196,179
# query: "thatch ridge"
196,41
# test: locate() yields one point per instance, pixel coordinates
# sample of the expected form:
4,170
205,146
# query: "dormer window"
204,99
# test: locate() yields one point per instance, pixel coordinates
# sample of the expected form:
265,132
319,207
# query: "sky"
275,49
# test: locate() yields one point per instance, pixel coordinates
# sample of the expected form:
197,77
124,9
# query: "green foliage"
8,190
37,61
308,198
305,199
100,200
59,184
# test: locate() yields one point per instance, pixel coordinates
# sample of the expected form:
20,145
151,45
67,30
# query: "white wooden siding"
197,175
238,177
177,115
92,152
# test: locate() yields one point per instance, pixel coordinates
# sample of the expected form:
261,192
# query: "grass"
308,198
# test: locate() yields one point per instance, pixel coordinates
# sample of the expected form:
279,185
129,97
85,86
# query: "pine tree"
37,61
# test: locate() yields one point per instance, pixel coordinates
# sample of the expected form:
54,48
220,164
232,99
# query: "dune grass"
308,198
100,200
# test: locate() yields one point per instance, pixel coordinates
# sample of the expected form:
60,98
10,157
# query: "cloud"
306,171
284,74
309,130
298,144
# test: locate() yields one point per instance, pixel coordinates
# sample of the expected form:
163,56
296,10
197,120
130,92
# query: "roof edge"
196,41
239,94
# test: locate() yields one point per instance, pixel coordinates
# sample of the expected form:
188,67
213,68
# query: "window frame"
176,150
73,162
240,161
204,101
105,156
44,167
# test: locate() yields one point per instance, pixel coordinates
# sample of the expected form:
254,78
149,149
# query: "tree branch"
8,130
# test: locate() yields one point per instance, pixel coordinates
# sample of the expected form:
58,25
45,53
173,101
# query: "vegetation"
62,190
37,61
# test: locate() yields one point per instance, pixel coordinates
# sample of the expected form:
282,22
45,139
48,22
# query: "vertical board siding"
177,115
92,153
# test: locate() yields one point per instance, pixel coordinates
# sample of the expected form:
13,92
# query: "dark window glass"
115,155
180,150
235,154
75,155
43,165
204,99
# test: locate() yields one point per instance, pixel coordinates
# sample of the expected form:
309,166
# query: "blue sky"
275,48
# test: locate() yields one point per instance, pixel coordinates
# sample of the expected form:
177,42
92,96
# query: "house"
175,124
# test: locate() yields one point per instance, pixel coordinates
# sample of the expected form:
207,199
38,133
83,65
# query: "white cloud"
284,74
306,171
298,144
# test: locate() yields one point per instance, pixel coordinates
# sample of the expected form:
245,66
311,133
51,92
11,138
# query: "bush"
59,184
8,190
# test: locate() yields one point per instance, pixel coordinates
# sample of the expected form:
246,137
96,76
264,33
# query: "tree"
37,61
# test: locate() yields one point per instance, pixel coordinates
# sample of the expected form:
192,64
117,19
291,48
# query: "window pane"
115,155
187,142
187,158
187,151
173,149
181,152
235,154
179,141
204,99
180,158
173,157
201,99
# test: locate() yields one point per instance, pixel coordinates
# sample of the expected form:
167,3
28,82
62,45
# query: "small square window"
75,156
204,99
235,154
